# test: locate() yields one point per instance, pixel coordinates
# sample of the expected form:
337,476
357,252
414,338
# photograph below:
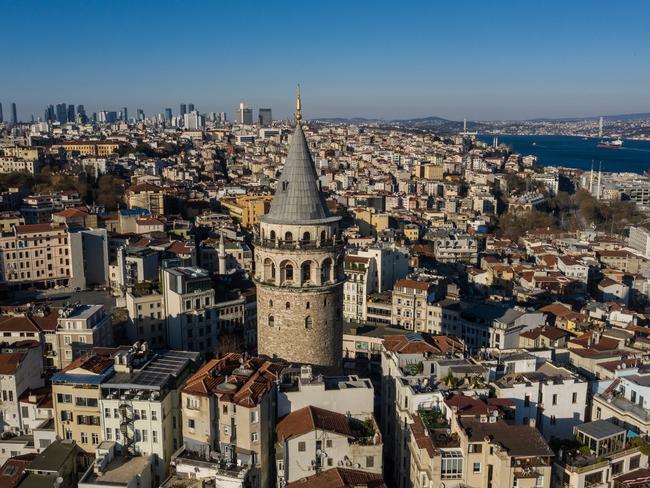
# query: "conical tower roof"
298,198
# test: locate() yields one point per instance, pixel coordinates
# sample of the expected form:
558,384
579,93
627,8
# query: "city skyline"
485,62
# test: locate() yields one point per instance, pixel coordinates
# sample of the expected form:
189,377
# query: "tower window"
271,321
288,272
308,322
270,303
285,185
306,271
306,237
272,235
288,237
287,305
307,305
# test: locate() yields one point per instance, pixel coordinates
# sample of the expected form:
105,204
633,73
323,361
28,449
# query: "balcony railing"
296,244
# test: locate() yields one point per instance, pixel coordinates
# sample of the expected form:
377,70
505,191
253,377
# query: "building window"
451,464
574,397
154,415
109,434
190,423
287,305
476,468
271,321
302,447
95,438
554,399
539,482
308,322
370,461
254,417
254,436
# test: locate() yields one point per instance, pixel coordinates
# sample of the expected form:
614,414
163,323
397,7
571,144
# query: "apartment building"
147,196
80,328
247,209
229,413
609,458
467,443
550,397
410,381
35,255
21,368
312,440
361,275
14,165
639,239
76,394
410,300
140,403
146,320
349,394
189,300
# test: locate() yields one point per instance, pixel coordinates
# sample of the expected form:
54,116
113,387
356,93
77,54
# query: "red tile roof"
311,418
341,478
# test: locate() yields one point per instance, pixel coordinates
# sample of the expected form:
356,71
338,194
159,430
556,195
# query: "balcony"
296,244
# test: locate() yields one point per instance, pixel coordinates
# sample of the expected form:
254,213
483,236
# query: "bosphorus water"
577,152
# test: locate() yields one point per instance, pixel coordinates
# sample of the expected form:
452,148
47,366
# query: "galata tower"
299,267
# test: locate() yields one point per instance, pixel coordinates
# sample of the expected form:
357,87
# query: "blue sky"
480,60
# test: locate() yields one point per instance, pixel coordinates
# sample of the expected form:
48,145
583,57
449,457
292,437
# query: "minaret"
600,177
222,255
591,179
299,267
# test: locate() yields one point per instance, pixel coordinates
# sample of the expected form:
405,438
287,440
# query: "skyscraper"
264,116
140,114
190,107
183,109
124,114
81,114
72,117
14,114
62,112
298,267
1,116
193,120
168,115
244,114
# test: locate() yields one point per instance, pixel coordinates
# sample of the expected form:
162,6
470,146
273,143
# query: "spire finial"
298,105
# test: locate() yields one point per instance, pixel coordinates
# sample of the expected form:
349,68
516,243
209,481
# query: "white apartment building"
140,403
361,281
79,328
554,398
21,367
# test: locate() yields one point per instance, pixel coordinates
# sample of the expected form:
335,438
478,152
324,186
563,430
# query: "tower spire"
298,105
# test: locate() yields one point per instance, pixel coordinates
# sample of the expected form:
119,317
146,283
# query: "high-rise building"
14,114
124,114
140,114
265,117
72,116
299,267
61,113
1,117
81,114
190,107
193,120
168,115
244,114
183,109
222,117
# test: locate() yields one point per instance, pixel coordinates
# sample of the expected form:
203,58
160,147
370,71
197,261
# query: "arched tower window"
305,271
308,322
323,235
307,305
306,237
271,321
326,271
287,305
288,272
288,237
272,235
269,269
270,303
